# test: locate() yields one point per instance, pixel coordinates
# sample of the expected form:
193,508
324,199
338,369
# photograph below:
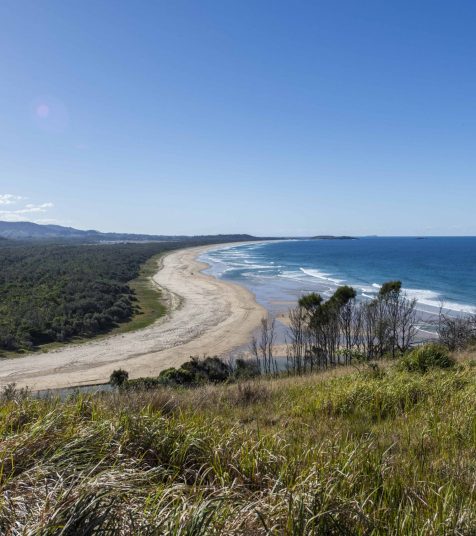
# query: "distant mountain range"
33,231
25,230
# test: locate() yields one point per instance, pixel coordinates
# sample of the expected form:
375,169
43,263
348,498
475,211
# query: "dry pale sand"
205,316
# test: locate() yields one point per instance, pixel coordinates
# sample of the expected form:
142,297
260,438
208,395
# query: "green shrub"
209,369
173,377
425,357
118,377
246,369
191,374
142,383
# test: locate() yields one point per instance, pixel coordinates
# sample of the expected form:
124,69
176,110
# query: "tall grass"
338,453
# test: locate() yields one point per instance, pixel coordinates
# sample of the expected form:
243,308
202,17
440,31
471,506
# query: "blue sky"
296,117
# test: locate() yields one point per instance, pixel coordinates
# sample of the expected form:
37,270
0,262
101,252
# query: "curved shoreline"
205,315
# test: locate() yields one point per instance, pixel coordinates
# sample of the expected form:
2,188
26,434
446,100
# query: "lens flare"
50,114
43,110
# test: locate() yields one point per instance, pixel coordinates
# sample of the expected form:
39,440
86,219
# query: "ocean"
437,271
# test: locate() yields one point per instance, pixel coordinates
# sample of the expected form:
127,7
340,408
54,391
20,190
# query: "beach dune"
205,316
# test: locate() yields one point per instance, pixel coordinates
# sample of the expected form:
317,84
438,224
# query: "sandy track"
207,316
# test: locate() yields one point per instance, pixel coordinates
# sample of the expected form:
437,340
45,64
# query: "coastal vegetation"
344,451
193,373
341,330
54,293
58,292
149,305
323,334
456,332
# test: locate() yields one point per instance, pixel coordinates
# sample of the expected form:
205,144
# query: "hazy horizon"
255,235
192,118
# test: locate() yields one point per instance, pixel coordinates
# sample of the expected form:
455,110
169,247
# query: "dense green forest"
52,293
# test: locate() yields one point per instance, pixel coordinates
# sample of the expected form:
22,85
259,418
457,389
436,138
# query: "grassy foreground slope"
343,452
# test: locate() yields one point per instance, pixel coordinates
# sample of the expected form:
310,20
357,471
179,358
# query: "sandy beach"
205,316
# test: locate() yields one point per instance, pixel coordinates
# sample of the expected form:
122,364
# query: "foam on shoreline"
251,271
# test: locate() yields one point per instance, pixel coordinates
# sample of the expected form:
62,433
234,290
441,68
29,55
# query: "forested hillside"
26,230
53,292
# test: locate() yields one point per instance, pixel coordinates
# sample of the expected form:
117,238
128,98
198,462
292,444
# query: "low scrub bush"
142,384
209,369
191,374
245,369
427,357
118,377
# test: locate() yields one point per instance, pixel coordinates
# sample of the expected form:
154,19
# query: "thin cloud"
23,211
9,199
30,208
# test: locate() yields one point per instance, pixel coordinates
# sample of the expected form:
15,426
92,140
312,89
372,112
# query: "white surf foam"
321,275
288,274
242,257
429,298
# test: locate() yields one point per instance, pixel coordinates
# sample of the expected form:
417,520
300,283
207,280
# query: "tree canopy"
56,292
